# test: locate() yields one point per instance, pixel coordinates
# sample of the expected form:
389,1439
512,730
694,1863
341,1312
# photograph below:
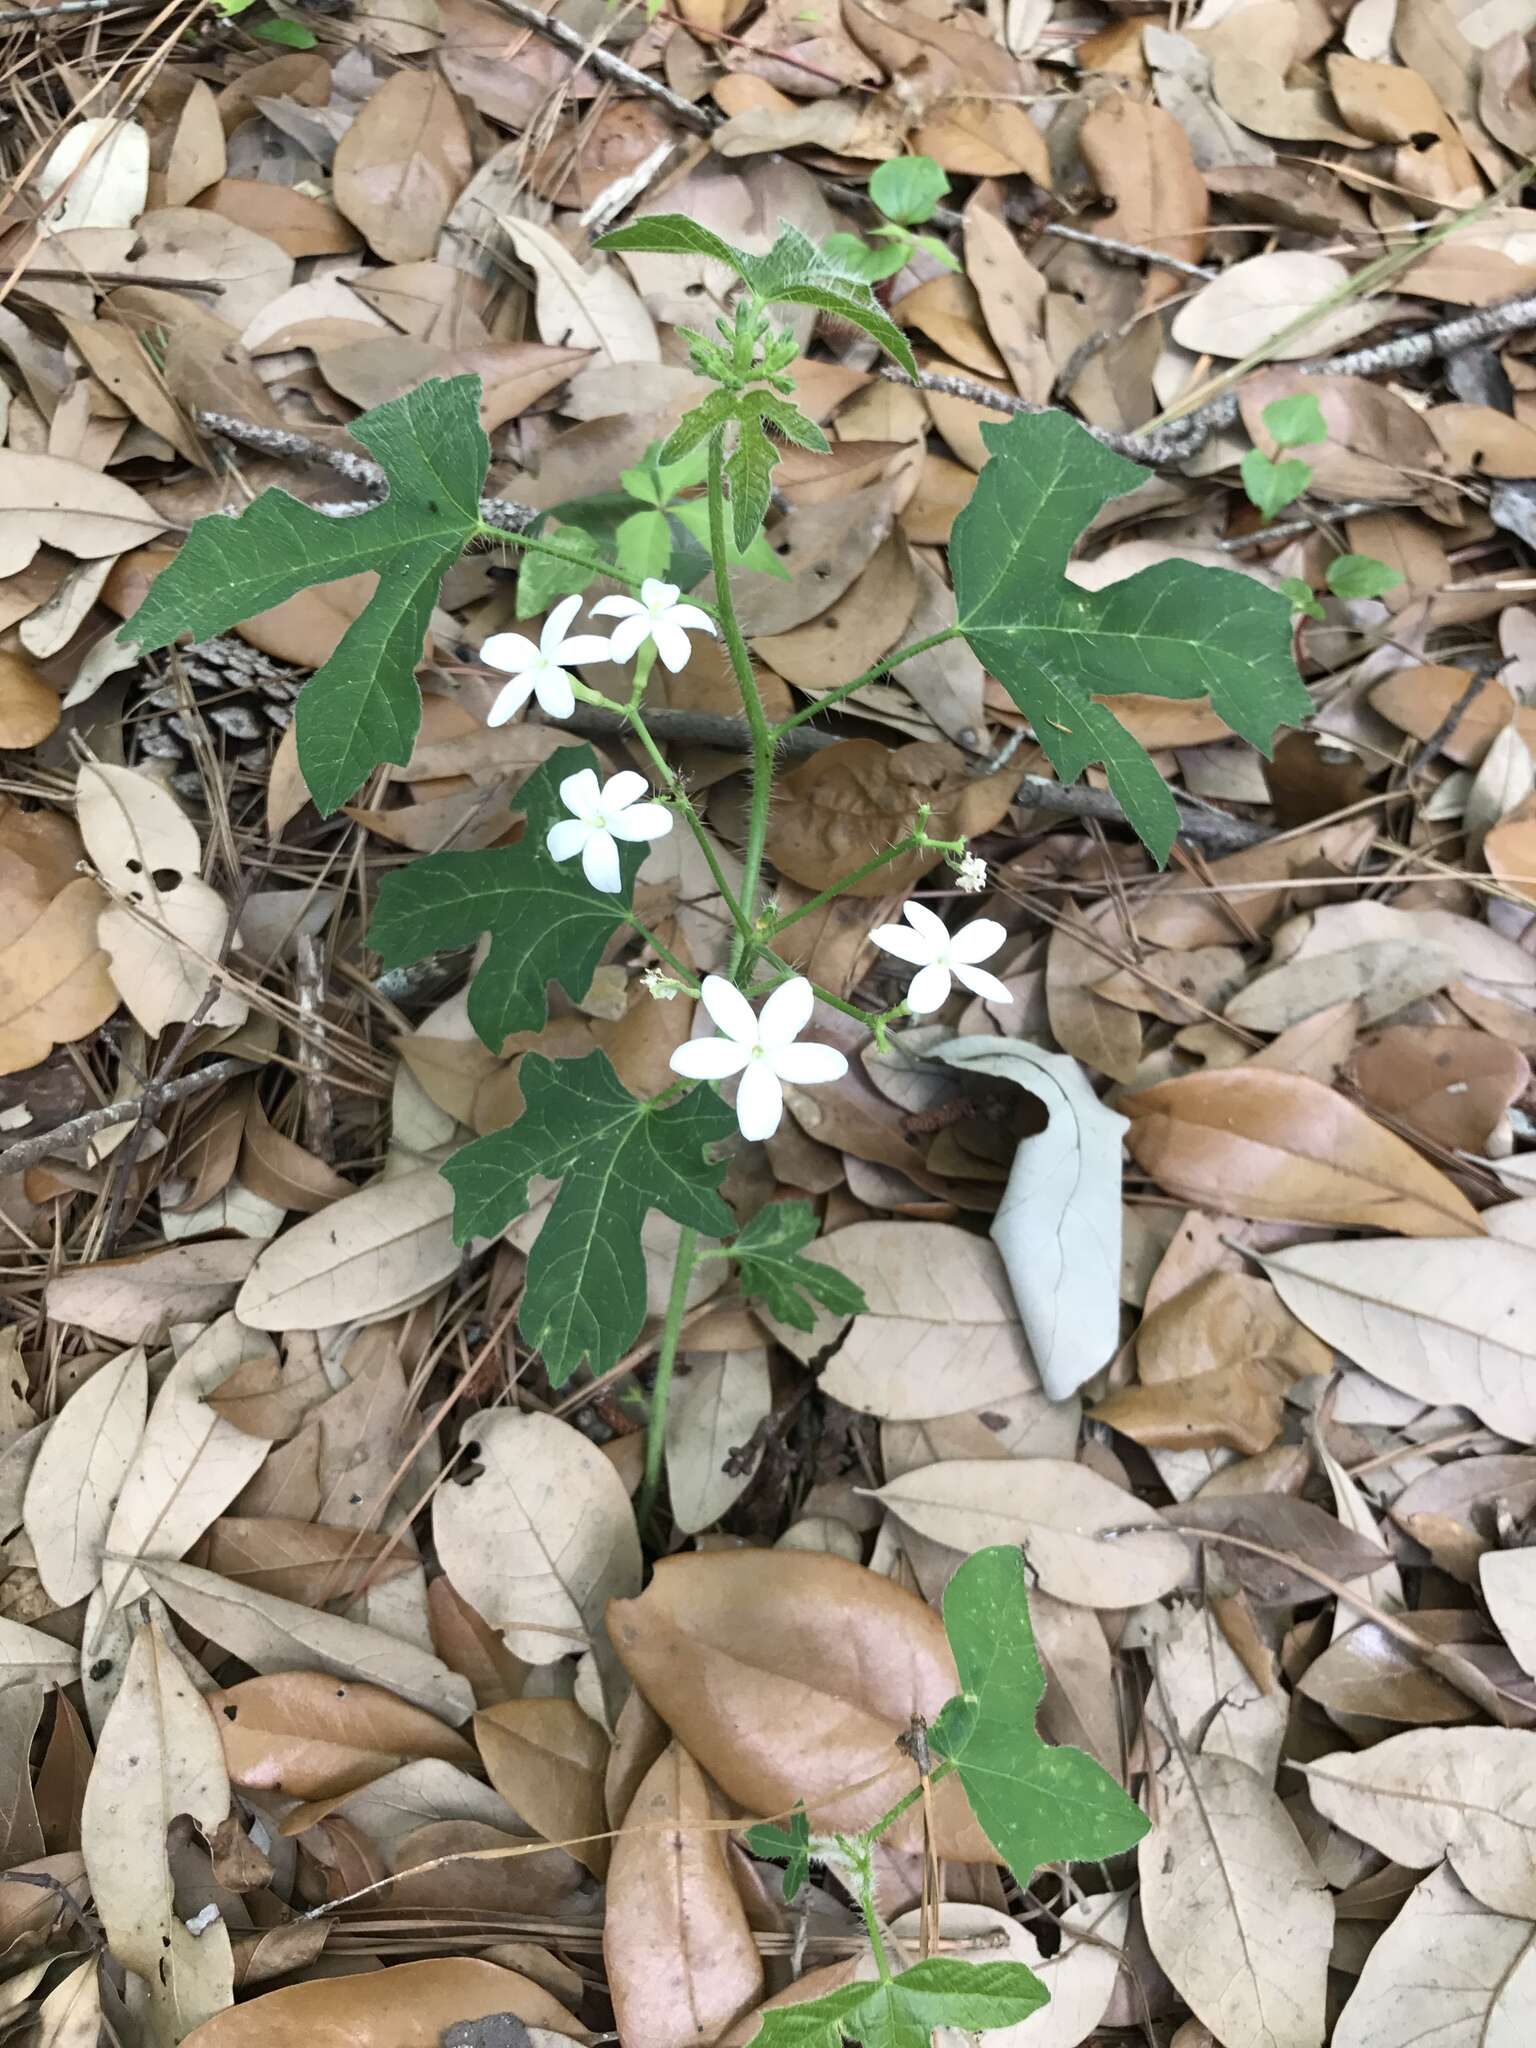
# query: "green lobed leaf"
546,921
903,2011
907,188
670,234
749,473
1174,630
1295,422
1361,576
543,579
771,1270
1036,1802
1273,485
790,1846
362,707
616,1159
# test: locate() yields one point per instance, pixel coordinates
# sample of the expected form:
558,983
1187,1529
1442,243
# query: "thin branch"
75,7
702,120
63,1137
283,442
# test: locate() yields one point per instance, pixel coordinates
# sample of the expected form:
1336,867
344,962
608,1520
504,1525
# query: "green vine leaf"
1175,630
907,188
616,1159
1271,486
769,1263
1036,1802
903,2011
790,1846
362,707
546,921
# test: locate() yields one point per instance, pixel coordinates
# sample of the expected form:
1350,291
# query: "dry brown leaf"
1381,975
682,1962
1088,1541
1012,296
1419,701
310,1562
1224,1319
118,361
1378,445
1476,440
1366,1674
409,2006
539,1535
1445,1966
1450,1087
78,1472
54,983
1233,1407
1103,1035
547,1759
1140,158
826,1662
1252,1142
590,307
29,710
67,505
375,1251
402,164
159,1756
138,1300
718,1400
310,1736
1251,63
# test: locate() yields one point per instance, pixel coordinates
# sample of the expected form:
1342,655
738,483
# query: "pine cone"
240,693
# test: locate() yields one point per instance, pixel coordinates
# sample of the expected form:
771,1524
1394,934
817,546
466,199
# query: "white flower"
760,1049
654,615
971,875
541,671
661,988
938,953
601,817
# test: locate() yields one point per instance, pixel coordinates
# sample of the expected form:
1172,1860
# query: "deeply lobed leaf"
903,2011
771,1269
1174,630
362,707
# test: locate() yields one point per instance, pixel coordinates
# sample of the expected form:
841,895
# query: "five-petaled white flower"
542,671
654,615
938,953
602,816
759,1048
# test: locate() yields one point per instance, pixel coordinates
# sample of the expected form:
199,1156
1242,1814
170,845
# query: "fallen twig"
64,1137
702,120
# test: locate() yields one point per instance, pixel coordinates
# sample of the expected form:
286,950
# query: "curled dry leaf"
1233,1905
539,1535
1257,1143
942,1333
788,1674
159,1756
682,1961
368,1255
1465,1793
1086,1540
1058,1225
310,1736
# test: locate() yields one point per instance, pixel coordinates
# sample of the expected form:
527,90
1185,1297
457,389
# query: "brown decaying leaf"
401,165
409,2006
307,1735
822,1661
682,1962
1140,158
305,1561
548,1759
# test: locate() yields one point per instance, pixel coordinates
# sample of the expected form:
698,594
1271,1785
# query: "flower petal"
933,928
555,626
627,787
759,1101
730,1009
905,943
600,863
786,1012
510,651
980,983
580,793
617,607
565,840
978,940
710,1059
552,687
641,821
671,643
657,596
690,616
510,699
583,647
929,990
807,1064
629,636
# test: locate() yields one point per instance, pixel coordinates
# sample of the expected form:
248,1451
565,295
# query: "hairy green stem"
656,1421
752,703
532,545
870,675
915,842
685,975
674,788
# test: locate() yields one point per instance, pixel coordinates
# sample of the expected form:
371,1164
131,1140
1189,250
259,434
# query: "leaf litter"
342,1693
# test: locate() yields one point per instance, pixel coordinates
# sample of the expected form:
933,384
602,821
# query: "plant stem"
684,802
656,1422
864,1867
684,974
752,703
534,546
915,842
870,675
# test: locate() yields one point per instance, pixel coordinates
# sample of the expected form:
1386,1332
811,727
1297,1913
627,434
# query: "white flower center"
758,1052
598,822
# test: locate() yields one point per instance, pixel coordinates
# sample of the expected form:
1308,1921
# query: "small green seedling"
906,190
1295,422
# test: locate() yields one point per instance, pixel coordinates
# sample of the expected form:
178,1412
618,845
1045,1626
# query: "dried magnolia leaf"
79,1470
548,1760
373,1252
45,499
1445,1969
714,1411
593,306
1508,1581
414,2005
1140,158
311,1736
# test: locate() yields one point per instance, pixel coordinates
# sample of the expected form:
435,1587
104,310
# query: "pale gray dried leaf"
713,1411
78,1472
1445,1970
362,1258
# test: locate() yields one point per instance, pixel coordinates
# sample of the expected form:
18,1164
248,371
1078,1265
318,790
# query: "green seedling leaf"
794,272
362,707
693,517
1037,1803
616,1159
907,188
1361,576
1295,422
645,545
546,921
1174,630
932,246
903,2011
1273,485
790,1846
291,34
1299,593
543,579
871,263
771,1269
